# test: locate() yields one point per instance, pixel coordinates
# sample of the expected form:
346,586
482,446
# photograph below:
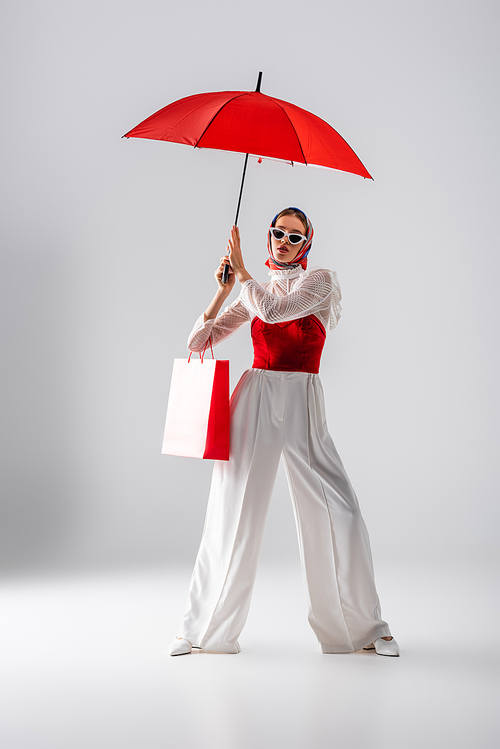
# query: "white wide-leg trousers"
275,414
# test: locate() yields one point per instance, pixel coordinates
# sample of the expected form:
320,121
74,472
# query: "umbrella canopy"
251,122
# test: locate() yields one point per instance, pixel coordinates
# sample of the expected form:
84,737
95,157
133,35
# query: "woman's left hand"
236,257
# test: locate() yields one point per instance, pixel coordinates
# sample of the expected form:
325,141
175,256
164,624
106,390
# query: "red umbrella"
251,122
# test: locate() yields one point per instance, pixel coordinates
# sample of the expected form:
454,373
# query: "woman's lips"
283,250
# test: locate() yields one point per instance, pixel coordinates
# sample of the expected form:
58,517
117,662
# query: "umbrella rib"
216,114
294,130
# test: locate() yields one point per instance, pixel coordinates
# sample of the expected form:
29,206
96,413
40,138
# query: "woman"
277,409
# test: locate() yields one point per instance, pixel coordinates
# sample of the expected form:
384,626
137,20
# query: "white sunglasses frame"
287,235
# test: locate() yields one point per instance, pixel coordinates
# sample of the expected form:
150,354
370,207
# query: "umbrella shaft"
225,272
241,190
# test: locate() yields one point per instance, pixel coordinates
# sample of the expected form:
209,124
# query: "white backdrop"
109,245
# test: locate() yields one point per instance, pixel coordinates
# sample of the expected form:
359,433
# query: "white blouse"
290,294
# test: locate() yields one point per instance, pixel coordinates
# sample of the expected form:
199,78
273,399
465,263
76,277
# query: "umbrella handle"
225,272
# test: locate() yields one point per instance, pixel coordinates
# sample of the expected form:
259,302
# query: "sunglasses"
293,237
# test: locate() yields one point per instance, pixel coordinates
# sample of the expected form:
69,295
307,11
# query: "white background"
108,248
109,245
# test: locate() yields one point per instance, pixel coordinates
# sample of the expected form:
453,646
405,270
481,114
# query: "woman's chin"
283,257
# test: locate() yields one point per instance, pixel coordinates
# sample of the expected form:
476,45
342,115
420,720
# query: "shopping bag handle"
204,350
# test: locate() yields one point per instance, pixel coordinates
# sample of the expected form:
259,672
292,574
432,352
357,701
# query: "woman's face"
281,249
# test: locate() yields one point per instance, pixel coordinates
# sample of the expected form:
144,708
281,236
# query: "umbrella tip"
258,81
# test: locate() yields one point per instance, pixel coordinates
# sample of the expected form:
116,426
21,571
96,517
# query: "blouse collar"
286,272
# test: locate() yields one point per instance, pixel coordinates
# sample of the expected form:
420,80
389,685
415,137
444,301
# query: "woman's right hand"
226,287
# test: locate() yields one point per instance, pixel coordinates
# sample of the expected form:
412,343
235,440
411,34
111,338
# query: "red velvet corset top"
294,346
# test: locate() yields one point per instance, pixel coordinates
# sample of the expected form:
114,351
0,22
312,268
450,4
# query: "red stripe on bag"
217,446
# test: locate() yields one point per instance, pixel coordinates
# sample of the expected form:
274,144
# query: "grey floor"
84,665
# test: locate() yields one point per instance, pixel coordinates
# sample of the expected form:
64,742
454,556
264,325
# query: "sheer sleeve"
317,292
219,328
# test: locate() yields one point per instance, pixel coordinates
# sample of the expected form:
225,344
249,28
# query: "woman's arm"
318,292
218,328
236,257
223,290
313,295
221,327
